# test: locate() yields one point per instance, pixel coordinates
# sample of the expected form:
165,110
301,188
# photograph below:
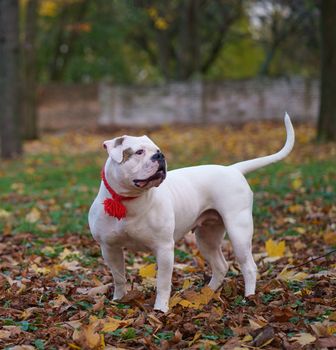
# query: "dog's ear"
114,148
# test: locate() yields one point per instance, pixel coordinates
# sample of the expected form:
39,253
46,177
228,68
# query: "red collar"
113,206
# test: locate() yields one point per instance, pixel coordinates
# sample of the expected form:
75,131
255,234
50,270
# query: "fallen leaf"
33,216
112,324
264,337
187,283
59,300
99,290
196,300
39,270
88,335
303,338
148,271
329,342
4,334
297,183
4,214
330,238
275,249
291,275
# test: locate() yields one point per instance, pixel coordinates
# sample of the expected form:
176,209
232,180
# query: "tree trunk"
29,107
326,128
10,138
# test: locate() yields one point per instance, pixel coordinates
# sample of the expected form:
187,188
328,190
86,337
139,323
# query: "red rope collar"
113,206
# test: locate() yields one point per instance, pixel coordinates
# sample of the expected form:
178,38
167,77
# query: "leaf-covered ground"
56,291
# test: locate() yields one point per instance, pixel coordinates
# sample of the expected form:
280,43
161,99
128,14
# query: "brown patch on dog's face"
127,154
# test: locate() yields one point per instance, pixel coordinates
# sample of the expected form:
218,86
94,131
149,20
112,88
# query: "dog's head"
136,161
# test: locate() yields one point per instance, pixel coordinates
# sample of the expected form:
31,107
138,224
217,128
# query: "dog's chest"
123,233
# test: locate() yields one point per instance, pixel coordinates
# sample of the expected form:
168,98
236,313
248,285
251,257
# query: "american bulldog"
141,206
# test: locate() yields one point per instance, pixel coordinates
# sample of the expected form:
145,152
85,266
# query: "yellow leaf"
174,300
4,214
300,230
197,300
186,303
48,8
290,275
297,183
48,250
148,271
206,295
39,270
295,208
152,11
247,338
275,249
161,23
67,252
33,216
196,337
111,325
18,187
331,329
91,335
304,338
332,316
186,284
59,300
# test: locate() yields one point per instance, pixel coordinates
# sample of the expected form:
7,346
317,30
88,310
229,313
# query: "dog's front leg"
165,263
114,259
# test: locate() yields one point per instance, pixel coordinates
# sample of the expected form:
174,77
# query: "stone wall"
89,106
208,102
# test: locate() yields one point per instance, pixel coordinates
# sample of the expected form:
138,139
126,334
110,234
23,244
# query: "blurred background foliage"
154,41
148,42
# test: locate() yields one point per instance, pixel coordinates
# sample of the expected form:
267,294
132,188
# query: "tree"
288,28
122,40
184,38
29,71
9,79
327,117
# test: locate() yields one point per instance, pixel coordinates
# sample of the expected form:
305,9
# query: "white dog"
136,209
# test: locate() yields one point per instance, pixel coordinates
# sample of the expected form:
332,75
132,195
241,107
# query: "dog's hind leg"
209,240
239,226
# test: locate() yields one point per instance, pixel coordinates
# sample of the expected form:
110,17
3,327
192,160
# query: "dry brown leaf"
33,216
330,238
303,338
99,290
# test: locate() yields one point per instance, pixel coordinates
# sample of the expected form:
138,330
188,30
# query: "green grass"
62,188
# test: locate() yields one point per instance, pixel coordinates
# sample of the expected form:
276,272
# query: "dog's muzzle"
159,175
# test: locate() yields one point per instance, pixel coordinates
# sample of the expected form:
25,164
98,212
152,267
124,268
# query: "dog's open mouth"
158,177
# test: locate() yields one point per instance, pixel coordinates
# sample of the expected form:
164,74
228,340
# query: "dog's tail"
253,164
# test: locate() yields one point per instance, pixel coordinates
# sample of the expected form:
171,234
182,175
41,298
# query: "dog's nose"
158,156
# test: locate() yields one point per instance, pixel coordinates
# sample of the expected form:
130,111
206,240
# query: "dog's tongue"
141,183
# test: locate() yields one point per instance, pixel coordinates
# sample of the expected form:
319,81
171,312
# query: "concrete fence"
208,102
194,102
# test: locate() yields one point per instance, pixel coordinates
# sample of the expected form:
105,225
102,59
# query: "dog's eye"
139,152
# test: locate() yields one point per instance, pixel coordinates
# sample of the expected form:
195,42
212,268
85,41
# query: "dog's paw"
159,306
117,295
